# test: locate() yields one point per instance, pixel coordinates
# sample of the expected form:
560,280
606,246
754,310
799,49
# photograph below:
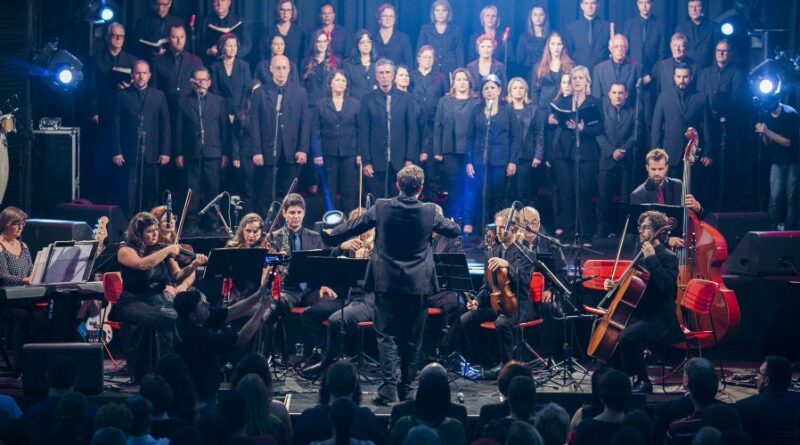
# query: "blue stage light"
107,14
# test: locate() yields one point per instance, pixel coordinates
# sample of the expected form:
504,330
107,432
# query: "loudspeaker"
88,357
84,210
55,169
734,225
41,232
766,253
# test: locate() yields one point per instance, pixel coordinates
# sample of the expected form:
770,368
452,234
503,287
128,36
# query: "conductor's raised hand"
369,171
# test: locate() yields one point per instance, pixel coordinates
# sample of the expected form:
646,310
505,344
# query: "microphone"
505,34
586,278
191,21
388,103
169,209
279,103
488,109
511,216
211,204
369,201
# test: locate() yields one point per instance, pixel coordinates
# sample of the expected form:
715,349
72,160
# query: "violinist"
503,254
144,306
249,234
655,320
167,233
359,306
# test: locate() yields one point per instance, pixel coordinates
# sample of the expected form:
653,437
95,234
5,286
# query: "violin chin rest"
594,310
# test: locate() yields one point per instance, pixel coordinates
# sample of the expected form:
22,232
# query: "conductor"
402,275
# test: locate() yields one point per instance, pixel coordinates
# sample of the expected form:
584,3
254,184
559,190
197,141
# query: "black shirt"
202,348
787,124
149,281
397,49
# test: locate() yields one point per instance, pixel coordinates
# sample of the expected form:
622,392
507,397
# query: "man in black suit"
771,415
587,38
617,145
654,320
646,37
222,21
140,110
701,32
618,69
380,159
401,273
173,69
154,27
201,142
662,73
667,412
281,106
676,110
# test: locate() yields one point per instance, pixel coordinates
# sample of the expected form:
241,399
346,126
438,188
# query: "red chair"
362,358
112,290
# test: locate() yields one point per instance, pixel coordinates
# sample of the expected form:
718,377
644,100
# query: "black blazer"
662,75
545,92
295,41
426,91
208,37
235,87
529,50
647,192
316,81
294,122
151,105
103,81
397,49
153,28
519,271
448,47
402,261
667,412
334,133
726,89
658,301
173,78
620,126
360,81
770,417
265,77
372,135
188,133
646,49
341,40
505,139
670,121
309,239
702,40
605,74
564,147
531,121
576,39
451,125
498,69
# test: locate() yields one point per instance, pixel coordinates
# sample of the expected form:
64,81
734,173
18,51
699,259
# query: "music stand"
452,273
634,210
298,267
239,264
334,272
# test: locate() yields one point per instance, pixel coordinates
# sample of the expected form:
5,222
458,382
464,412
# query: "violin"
501,298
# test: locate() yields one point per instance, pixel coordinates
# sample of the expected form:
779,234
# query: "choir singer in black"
386,141
401,273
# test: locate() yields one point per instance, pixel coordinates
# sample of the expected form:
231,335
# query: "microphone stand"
722,161
275,150
388,145
140,145
485,188
632,162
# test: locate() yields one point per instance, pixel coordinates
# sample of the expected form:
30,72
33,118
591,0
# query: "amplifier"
41,232
55,169
766,253
88,357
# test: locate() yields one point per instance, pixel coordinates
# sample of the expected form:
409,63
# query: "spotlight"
107,13
97,11
727,29
332,219
65,76
766,86
61,70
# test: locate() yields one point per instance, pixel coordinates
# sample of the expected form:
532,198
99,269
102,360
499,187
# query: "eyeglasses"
117,36
644,227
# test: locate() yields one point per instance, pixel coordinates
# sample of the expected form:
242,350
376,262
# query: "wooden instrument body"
501,298
606,331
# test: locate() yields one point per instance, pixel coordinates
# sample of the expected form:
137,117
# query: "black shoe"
490,373
405,392
380,400
313,372
642,386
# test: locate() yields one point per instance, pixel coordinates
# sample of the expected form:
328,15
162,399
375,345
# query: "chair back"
112,286
699,295
536,287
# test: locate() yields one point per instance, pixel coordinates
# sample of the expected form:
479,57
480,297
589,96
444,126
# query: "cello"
703,256
624,297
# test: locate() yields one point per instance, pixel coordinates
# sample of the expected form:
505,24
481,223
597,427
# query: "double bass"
703,256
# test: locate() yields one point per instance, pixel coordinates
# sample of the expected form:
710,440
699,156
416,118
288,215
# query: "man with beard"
661,75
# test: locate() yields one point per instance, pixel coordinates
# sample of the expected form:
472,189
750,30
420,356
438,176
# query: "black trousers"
452,307
399,326
342,175
452,181
375,185
527,181
614,181
331,310
263,177
203,178
127,186
634,339
587,183
150,324
475,339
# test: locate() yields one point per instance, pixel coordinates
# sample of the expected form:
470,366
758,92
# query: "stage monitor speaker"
41,232
88,357
734,225
55,169
766,253
84,210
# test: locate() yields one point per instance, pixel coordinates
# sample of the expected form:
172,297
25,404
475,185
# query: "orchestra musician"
401,273
167,233
655,321
447,301
16,266
249,233
359,305
147,269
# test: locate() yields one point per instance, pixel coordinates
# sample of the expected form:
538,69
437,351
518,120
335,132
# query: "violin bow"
183,216
619,248
280,210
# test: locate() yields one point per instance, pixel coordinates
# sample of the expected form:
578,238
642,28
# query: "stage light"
65,71
107,13
727,29
332,219
65,76
766,86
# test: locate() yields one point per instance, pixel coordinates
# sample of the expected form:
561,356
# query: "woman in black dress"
444,37
319,63
391,43
486,64
531,124
530,46
360,67
490,22
285,26
566,157
334,126
277,47
493,133
450,129
147,269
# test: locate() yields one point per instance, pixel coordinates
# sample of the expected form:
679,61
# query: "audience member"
770,415
723,417
9,408
342,415
423,435
142,414
155,389
173,369
615,394
708,435
73,424
187,435
233,409
115,415
255,363
641,421
491,411
596,405
410,408
521,403
552,423
672,410
628,436
523,433
703,385
260,422
109,436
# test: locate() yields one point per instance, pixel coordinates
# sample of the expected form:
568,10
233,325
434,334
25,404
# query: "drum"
8,124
